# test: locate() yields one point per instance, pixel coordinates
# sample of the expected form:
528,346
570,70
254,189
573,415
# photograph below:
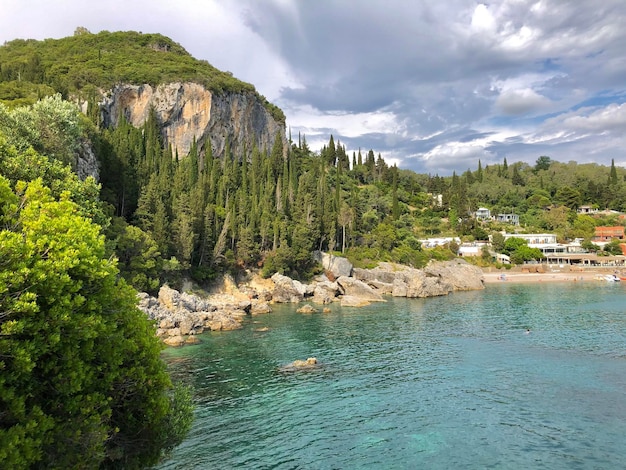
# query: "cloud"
521,101
431,85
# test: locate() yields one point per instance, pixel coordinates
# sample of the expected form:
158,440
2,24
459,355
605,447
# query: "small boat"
611,278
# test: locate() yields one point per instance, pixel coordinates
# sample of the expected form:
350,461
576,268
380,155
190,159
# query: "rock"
352,301
399,288
169,298
326,310
174,341
458,273
287,290
166,323
260,308
438,278
185,326
311,361
382,273
354,287
176,315
298,364
325,292
263,329
86,161
383,288
337,265
188,113
191,340
306,309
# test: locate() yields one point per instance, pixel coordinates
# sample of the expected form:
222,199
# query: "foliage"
82,382
614,247
80,64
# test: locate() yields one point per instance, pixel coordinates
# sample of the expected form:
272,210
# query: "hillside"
234,204
86,62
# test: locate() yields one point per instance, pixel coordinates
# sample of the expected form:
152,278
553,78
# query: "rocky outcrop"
325,292
460,274
86,161
188,112
336,265
436,279
356,288
179,316
287,290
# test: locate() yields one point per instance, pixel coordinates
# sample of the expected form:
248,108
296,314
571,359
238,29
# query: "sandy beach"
524,277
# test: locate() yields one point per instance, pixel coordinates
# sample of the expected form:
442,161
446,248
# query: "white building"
482,213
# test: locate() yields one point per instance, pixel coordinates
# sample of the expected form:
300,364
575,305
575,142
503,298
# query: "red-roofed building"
609,233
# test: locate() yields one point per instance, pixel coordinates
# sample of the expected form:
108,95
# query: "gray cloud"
433,86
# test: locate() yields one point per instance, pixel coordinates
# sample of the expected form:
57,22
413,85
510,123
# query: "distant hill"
86,62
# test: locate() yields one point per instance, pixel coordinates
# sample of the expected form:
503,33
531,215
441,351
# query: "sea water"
439,383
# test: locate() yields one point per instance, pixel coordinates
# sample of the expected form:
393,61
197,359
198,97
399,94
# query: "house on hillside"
545,242
512,219
605,234
587,210
482,213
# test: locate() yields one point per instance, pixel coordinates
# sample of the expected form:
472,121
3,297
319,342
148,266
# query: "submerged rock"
306,309
299,364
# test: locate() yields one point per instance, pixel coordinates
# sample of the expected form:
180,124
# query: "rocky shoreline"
180,317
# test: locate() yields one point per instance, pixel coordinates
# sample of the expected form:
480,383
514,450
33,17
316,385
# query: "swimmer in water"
527,331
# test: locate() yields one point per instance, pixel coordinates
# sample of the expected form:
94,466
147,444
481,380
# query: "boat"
611,278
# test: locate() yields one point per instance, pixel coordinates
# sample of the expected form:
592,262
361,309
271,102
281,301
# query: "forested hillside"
199,216
83,64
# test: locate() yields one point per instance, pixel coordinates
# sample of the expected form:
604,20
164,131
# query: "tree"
525,253
614,247
569,197
613,173
542,163
82,383
139,259
497,242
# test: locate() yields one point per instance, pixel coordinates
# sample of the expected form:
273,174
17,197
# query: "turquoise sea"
439,383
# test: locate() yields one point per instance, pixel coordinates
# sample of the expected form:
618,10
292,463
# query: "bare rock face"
188,112
325,292
179,316
337,265
438,278
287,290
353,301
356,288
86,162
460,274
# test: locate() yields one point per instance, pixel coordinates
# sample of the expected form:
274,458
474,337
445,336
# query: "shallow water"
434,383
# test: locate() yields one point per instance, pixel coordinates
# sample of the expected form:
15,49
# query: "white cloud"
521,101
482,19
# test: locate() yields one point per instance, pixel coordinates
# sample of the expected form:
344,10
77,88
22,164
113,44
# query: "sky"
433,86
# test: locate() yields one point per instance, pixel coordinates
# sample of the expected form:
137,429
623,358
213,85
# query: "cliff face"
187,110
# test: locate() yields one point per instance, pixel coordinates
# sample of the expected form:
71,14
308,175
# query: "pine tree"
613,173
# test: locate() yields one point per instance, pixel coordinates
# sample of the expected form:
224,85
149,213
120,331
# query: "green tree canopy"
81,383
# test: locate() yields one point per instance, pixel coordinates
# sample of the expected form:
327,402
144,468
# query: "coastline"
521,277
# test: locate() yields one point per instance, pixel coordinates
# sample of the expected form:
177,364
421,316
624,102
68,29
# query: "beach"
526,277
